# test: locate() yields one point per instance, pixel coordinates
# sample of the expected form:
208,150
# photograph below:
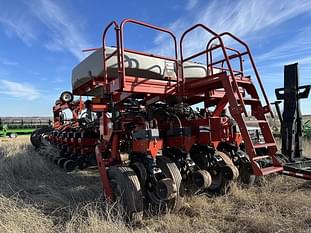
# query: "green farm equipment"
13,126
307,129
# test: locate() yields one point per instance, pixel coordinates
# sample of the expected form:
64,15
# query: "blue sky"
41,40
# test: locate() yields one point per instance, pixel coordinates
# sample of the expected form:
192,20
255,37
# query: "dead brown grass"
36,196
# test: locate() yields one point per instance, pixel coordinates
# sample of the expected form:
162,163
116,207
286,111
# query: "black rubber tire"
220,183
127,192
141,173
229,162
55,160
83,165
70,165
170,170
36,136
61,161
66,97
33,138
247,177
202,177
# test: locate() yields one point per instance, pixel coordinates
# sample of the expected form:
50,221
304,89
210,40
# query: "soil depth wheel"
127,192
223,177
171,171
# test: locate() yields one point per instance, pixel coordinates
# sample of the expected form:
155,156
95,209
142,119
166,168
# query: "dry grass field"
37,196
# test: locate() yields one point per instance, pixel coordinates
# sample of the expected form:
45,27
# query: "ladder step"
262,145
243,80
251,100
261,157
256,122
270,170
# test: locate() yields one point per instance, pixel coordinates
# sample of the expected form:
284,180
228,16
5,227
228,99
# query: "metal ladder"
261,155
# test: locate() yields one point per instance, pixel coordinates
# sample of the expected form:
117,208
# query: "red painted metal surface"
223,90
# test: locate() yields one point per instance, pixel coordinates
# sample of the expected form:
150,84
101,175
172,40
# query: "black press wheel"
70,165
220,185
61,161
55,160
223,177
247,177
127,192
171,171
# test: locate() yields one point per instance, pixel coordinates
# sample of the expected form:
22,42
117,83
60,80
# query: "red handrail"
210,47
253,65
222,46
237,54
116,27
150,55
122,25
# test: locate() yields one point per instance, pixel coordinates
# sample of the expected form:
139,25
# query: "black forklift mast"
291,123
291,119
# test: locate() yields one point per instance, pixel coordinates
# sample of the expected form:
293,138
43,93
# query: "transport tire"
127,192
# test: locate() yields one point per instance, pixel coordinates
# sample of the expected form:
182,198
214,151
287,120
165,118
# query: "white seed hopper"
135,65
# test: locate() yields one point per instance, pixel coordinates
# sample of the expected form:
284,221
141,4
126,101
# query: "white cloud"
19,26
61,30
8,62
18,90
296,48
64,29
191,4
59,80
243,18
